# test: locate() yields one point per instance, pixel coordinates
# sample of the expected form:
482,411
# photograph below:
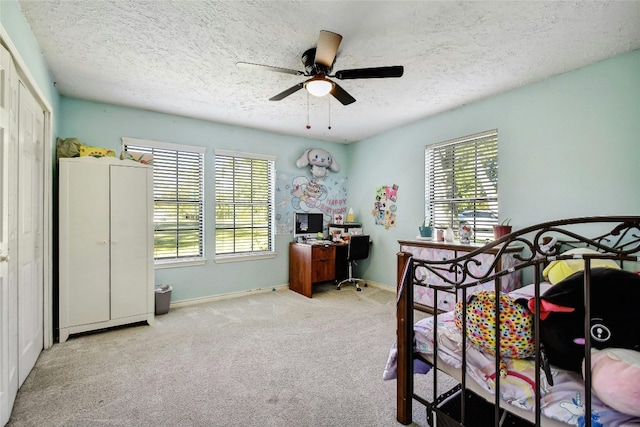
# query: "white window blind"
245,193
178,193
461,183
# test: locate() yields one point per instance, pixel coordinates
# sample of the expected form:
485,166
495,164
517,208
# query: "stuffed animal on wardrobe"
320,161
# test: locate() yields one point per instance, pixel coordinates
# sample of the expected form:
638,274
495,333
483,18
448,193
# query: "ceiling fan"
318,63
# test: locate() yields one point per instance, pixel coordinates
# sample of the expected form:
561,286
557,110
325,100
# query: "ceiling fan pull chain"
308,125
329,113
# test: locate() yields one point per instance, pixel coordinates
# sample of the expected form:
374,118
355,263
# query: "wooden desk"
309,264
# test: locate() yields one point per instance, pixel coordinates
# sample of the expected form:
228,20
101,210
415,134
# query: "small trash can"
163,298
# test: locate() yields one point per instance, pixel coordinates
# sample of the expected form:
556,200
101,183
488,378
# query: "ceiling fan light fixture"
318,64
319,87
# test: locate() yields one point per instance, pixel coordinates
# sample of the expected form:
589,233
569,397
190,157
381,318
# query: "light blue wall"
104,125
21,37
569,146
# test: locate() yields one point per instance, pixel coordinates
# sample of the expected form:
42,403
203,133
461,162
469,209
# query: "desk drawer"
323,252
323,270
324,263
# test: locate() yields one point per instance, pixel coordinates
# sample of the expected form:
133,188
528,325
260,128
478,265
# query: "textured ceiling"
179,57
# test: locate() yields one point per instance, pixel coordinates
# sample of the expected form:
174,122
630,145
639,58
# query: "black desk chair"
358,248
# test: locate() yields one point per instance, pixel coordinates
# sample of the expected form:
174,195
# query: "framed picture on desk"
338,219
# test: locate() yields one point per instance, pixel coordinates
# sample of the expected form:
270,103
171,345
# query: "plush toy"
321,162
516,325
614,296
559,270
615,379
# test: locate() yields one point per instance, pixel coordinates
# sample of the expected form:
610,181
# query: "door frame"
30,83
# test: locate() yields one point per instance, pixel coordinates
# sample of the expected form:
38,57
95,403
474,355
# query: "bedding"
563,401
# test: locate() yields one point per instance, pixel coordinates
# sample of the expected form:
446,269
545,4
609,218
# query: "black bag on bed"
614,296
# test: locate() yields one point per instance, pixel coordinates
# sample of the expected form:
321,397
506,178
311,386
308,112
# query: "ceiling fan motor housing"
310,66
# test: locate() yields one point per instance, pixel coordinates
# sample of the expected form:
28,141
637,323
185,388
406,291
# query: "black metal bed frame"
620,241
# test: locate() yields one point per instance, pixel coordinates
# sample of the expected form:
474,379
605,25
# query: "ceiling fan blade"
328,44
342,95
282,95
370,73
269,68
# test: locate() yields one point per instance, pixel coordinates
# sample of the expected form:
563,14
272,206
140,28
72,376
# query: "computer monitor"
308,224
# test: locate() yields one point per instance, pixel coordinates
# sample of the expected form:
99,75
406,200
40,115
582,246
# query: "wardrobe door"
84,243
130,254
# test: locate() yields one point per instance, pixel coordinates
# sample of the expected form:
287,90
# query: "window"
461,183
245,194
178,195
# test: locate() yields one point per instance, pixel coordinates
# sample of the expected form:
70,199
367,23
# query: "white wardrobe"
106,275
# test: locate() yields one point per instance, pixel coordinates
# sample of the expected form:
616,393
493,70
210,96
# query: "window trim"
164,145
429,205
247,256
186,261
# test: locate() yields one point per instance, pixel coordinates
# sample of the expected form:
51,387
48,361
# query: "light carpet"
264,359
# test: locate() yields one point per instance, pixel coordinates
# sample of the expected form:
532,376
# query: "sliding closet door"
23,126
8,288
30,232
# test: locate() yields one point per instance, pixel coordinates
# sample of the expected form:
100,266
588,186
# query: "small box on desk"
349,229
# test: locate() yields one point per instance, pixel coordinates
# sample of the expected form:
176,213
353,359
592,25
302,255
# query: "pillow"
559,270
96,152
615,379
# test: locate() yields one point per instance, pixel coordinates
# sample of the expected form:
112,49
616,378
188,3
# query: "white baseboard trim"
200,300
381,286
